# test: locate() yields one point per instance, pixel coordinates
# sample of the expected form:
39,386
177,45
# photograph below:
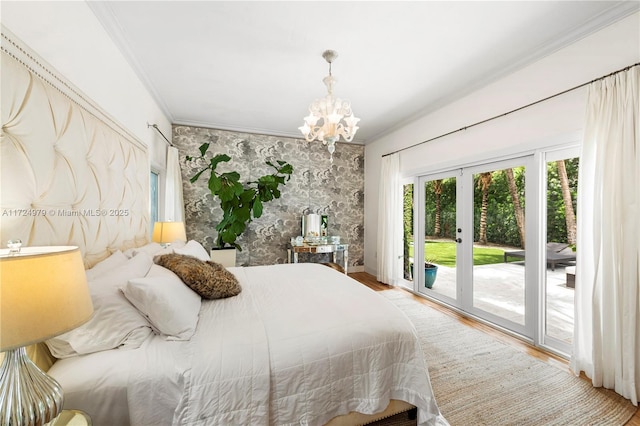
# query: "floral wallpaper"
316,186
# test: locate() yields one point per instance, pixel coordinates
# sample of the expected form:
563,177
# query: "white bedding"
300,344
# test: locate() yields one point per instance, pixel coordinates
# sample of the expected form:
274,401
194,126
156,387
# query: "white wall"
552,122
68,36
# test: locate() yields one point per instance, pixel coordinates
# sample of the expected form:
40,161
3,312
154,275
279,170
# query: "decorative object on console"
14,246
240,202
323,225
311,225
43,293
329,117
167,232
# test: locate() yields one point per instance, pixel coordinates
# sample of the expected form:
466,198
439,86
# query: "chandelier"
329,117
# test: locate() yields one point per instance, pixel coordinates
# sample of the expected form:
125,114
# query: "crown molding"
250,130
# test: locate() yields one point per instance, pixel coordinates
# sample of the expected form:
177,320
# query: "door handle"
458,240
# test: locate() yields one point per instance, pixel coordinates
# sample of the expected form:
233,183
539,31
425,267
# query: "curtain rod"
514,110
155,126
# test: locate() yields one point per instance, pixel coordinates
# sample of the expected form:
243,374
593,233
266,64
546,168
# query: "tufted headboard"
69,174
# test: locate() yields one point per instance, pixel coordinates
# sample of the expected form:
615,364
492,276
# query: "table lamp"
43,293
167,232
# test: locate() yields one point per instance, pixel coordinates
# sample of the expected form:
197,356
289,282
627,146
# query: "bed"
300,344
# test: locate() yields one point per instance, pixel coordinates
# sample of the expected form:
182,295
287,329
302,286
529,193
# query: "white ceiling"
256,66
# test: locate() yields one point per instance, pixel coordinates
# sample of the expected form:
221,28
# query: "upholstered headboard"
69,174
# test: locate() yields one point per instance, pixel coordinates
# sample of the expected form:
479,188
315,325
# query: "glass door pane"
498,244
407,234
440,250
562,187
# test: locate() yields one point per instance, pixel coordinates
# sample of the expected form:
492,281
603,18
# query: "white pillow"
151,249
178,244
154,249
195,249
116,323
169,305
110,263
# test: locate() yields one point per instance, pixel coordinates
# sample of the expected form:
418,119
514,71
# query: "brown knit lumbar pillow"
209,279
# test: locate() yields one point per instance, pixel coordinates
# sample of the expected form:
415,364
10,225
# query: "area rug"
478,380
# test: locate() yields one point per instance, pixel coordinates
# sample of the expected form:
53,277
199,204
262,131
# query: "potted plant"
430,273
240,202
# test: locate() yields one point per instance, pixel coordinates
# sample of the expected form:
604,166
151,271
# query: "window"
153,199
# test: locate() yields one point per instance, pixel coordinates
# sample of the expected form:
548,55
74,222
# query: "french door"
472,223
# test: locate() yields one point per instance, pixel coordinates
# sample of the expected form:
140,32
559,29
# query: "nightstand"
71,418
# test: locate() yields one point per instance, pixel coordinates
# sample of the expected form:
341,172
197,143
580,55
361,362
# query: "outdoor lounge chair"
556,253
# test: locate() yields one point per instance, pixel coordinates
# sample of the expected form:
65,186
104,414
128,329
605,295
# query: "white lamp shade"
168,232
43,293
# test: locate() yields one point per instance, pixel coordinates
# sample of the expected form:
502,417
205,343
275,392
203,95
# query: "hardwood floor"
551,359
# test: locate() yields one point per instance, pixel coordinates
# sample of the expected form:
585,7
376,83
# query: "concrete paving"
499,289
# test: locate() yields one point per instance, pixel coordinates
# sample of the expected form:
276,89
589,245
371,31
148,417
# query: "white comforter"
301,344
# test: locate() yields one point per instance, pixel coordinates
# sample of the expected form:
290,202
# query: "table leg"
295,257
345,255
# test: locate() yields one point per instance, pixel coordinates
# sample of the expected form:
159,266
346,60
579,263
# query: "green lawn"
444,253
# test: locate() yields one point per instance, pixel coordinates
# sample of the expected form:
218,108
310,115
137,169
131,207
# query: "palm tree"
569,214
437,189
517,207
484,182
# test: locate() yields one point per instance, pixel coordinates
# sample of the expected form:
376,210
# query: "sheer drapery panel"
389,260
607,295
174,203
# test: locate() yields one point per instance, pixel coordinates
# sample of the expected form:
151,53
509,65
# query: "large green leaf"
203,149
257,208
238,227
197,175
247,195
231,176
214,183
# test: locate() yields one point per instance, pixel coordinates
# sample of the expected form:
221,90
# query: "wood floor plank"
551,359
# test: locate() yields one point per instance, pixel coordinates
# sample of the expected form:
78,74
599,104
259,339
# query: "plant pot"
430,272
226,256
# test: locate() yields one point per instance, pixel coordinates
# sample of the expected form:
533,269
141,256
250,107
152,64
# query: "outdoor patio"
499,289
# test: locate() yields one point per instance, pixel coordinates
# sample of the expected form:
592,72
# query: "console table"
293,252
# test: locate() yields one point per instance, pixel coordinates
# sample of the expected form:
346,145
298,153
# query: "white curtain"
607,294
174,204
390,221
